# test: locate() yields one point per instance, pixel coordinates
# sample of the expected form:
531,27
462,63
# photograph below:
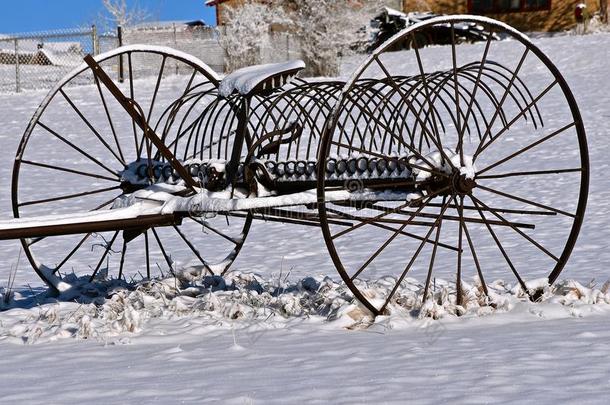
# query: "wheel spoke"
392,229
76,148
457,96
384,214
428,136
526,148
365,222
152,102
502,100
69,196
131,97
523,112
157,85
193,249
474,93
65,169
474,253
504,254
104,204
458,277
525,201
107,111
108,248
123,250
78,245
147,253
216,231
388,241
90,126
33,241
524,235
168,260
527,173
446,217
438,225
391,133
439,143
413,258
504,210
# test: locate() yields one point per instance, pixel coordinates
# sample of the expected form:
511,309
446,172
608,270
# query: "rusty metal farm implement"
429,160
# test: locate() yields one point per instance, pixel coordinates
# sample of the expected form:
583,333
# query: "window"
537,4
507,6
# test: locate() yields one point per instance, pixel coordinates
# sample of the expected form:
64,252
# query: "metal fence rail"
38,60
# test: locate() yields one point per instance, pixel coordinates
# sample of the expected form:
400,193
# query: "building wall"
221,8
559,17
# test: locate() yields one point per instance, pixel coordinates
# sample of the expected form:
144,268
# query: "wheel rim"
78,142
514,116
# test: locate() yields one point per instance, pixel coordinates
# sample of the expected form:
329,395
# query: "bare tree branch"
326,29
119,13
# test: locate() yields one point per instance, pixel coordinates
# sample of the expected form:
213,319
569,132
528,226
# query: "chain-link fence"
38,60
198,40
281,47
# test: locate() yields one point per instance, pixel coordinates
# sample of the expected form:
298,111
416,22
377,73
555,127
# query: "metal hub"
462,185
454,184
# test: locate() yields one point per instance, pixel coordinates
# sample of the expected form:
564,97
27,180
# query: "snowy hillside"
282,328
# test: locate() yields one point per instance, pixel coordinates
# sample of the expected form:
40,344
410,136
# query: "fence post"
175,36
119,35
175,43
94,40
17,73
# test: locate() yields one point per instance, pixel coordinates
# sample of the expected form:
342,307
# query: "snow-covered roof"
30,45
212,3
168,24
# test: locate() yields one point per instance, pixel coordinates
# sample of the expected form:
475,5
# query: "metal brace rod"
129,107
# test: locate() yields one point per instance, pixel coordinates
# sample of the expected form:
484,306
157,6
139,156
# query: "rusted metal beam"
141,222
130,107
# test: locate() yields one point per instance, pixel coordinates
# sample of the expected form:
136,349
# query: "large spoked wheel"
74,153
499,165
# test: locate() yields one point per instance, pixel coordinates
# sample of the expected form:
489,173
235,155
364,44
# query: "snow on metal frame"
246,79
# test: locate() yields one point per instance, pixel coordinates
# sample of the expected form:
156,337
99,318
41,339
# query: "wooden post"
94,40
119,35
175,42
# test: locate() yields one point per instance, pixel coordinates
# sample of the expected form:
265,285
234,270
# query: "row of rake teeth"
295,169
428,97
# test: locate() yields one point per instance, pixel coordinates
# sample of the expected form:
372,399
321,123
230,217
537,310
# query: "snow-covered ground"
283,337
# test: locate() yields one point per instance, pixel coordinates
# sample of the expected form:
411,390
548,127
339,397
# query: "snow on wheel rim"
81,131
426,100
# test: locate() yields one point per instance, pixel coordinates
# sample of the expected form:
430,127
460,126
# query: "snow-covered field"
291,333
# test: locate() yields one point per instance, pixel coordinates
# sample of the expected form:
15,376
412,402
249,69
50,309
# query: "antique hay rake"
428,160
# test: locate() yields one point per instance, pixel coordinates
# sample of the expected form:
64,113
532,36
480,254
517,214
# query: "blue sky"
40,15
